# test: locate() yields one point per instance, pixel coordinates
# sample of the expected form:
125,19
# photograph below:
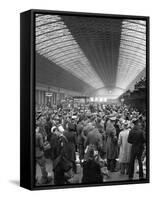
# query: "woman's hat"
53,129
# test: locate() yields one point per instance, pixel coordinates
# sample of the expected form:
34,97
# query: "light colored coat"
125,147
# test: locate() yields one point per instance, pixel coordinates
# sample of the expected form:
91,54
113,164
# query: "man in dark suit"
137,139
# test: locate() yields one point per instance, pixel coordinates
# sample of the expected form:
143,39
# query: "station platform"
76,179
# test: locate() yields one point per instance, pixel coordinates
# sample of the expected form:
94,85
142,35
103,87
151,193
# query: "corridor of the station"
90,99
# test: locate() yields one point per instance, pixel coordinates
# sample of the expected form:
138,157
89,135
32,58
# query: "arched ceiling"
97,55
50,74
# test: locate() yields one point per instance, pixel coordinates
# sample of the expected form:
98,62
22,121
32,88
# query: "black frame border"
27,97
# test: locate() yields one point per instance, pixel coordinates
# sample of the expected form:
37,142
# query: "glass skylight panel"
65,58
133,48
131,60
136,64
141,22
135,24
44,19
132,53
126,32
134,40
51,35
65,61
54,46
55,42
132,44
134,27
51,48
41,17
49,27
60,50
126,52
67,53
131,57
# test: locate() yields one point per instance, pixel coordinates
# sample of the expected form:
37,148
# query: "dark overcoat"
69,148
111,141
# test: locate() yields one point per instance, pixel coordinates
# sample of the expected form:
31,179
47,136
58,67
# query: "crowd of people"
99,138
141,83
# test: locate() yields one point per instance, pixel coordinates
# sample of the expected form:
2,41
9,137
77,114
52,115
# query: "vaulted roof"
93,55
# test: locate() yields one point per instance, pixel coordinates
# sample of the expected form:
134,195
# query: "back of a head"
71,127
